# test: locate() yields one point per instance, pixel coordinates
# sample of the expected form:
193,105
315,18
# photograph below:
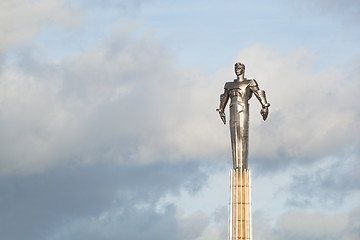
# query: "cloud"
298,224
20,24
92,141
312,113
138,224
193,226
327,183
261,226
347,11
96,199
128,224
126,100
120,101
122,4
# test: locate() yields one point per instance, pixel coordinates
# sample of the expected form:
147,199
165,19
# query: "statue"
240,91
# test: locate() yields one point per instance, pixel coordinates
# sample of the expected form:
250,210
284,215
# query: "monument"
240,91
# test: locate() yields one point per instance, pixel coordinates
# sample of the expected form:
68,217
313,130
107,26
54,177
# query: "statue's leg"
235,133
245,151
244,135
234,145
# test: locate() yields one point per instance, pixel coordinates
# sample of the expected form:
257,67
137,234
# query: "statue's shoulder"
242,84
252,83
229,85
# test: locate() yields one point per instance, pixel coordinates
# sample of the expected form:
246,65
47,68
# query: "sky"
108,128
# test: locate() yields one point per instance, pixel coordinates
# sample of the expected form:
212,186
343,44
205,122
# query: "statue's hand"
264,112
222,115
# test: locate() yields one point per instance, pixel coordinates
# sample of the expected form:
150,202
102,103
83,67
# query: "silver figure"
240,91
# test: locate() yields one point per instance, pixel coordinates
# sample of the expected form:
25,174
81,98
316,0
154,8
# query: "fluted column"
240,227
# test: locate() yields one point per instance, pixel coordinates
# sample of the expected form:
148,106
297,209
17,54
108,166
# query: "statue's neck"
240,78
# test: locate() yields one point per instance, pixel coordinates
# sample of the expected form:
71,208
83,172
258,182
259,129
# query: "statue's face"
239,69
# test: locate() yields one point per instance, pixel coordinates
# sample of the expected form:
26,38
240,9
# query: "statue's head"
239,68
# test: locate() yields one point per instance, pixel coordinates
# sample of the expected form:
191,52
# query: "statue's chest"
239,91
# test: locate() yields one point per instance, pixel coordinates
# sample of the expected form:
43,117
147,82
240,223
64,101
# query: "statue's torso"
239,92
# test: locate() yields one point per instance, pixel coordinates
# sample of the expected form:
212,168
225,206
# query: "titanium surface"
239,92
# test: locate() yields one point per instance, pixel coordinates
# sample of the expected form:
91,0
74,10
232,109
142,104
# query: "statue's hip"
239,116
238,110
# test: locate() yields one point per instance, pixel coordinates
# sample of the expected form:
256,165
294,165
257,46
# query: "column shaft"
240,205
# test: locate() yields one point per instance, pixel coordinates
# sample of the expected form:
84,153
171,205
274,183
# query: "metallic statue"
240,91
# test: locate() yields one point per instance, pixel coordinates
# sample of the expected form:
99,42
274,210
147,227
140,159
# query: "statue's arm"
260,95
223,101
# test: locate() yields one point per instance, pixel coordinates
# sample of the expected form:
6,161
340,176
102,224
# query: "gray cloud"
347,11
126,102
298,224
41,205
128,224
132,223
329,183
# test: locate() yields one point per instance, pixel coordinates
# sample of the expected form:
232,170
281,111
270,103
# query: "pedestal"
240,227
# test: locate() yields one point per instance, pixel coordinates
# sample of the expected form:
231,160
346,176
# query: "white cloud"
192,226
121,101
313,114
212,232
19,24
127,101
